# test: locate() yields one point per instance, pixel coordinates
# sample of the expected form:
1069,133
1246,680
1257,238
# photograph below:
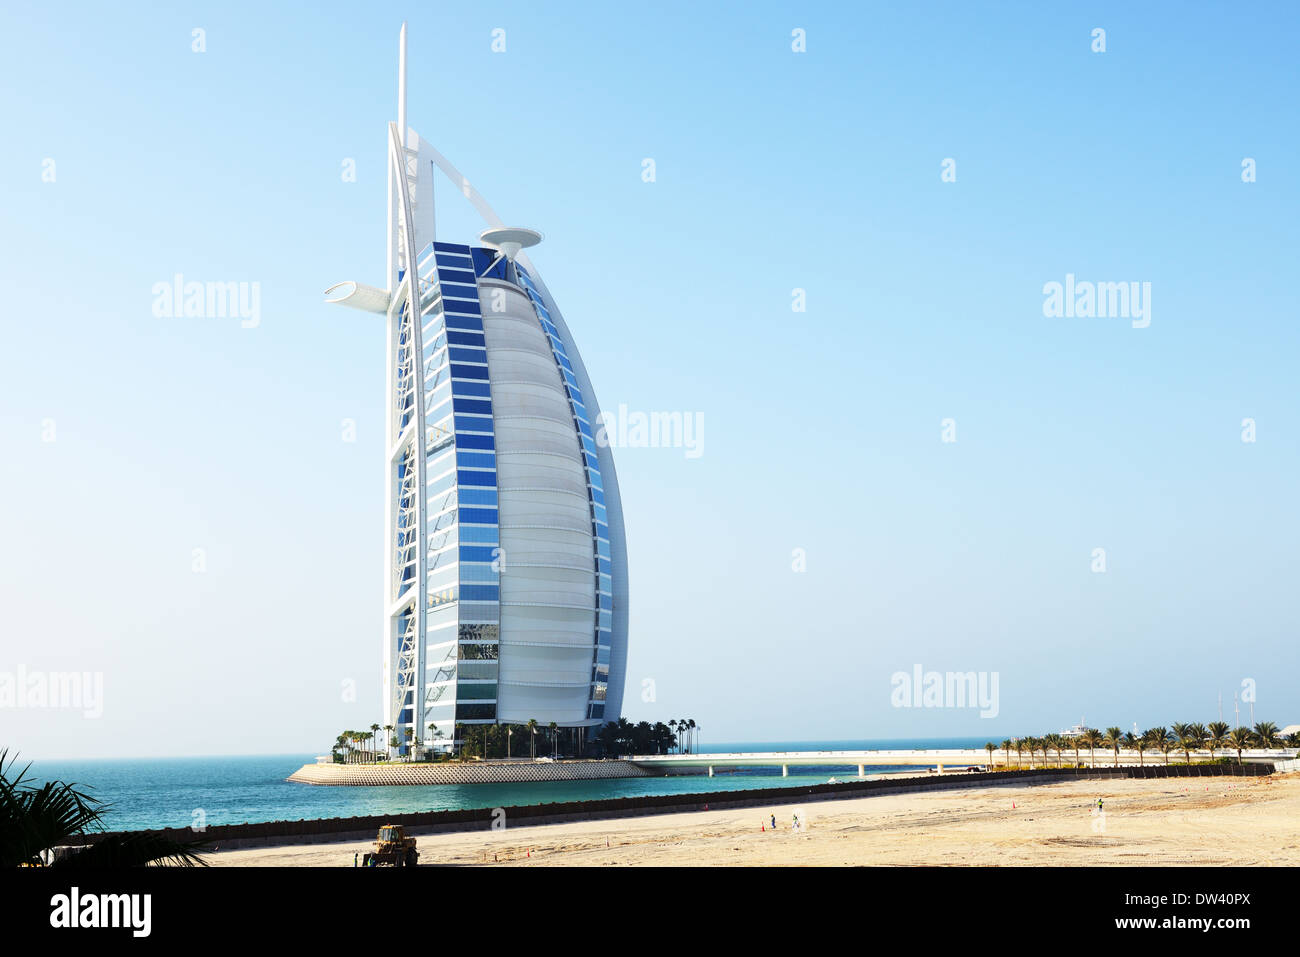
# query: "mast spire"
401,85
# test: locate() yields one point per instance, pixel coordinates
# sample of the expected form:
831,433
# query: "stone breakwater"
469,773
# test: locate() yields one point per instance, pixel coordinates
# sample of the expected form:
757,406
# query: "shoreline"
329,830
1164,821
419,773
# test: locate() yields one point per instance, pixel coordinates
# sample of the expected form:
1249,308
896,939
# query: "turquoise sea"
168,792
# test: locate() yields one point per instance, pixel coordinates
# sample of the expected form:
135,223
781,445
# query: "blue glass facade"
463,585
489,413
457,461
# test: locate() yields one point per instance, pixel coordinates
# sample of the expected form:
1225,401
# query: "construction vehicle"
393,848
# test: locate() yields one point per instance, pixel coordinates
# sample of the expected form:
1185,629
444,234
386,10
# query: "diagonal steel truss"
407,462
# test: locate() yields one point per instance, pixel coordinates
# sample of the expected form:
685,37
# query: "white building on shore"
506,565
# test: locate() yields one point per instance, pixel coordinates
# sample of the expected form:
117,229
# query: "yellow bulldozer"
393,849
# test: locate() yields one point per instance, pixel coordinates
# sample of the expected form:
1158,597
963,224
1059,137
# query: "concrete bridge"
949,759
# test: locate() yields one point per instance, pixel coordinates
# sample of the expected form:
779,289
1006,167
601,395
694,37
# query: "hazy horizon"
704,746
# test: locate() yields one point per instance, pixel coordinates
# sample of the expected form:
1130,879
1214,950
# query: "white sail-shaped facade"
506,561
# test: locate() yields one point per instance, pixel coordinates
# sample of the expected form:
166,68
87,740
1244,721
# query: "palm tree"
1189,737
553,728
990,747
1178,731
1074,744
35,818
1239,739
388,729
626,735
1266,734
1216,732
1143,742
374,744
532,736
1113,739
1166,744
1091,739
1020,747
672,726
1131,742
1159,738
660,737
1006,750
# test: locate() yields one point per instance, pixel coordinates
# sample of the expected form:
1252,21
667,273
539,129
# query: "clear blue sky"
775,170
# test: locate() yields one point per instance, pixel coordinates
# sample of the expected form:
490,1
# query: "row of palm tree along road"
623,737
1177,738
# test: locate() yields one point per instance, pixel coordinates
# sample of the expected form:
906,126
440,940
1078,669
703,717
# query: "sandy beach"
1171,821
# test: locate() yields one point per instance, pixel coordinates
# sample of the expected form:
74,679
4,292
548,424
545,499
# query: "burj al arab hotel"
505,595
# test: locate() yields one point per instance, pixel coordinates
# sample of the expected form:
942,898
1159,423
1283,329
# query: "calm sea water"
167,792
